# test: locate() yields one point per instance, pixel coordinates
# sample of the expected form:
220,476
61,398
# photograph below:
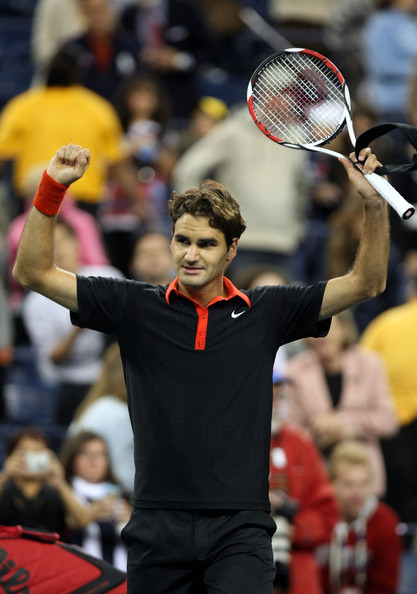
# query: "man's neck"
204,295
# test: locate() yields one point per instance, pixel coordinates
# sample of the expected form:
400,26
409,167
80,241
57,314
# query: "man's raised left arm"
368,275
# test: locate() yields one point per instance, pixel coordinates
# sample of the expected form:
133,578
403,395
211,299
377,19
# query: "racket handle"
390,194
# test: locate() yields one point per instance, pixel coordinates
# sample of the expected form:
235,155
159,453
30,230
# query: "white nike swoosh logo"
236,315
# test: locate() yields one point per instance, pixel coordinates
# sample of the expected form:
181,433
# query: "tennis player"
198,358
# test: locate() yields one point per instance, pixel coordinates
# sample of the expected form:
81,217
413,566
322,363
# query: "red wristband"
49,196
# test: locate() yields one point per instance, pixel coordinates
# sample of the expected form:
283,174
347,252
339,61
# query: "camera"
37,461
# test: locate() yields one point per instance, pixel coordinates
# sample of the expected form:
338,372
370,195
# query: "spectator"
32,125
87,468
389,56
54,22
33,489
107,54
392,336
204,117
91,244
174,41
151,143
67,357
239,157
365,550
302,501
104,411
237,51
151,259
338,392
343,35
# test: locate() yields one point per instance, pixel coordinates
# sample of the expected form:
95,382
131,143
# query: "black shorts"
199,552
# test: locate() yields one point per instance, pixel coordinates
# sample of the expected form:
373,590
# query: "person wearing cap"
207,113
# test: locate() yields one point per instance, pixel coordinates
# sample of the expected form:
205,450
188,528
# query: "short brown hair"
213,201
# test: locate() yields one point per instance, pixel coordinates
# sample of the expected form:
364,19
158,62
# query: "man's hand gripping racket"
299,99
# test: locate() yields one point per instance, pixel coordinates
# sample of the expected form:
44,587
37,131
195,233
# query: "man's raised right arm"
35,267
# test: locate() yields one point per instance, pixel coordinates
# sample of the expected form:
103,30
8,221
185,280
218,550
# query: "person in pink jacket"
340,391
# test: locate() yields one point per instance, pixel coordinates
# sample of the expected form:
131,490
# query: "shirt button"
204,316
201,333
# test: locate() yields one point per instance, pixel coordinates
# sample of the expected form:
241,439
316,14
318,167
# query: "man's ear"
232,250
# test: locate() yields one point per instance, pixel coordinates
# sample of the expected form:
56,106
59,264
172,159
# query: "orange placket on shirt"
201,334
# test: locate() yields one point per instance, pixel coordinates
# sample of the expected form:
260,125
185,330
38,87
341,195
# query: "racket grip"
390,194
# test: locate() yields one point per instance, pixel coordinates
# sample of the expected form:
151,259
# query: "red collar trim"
232,291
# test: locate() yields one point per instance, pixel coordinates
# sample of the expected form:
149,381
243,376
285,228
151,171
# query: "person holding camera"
88,469
302,501
33,489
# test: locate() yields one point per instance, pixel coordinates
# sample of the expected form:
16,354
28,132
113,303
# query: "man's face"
199,253
352,486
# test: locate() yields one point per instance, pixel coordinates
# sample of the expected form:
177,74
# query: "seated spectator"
302,501
343,36
208,112
389,53
174,41
151,260
339,392
67,357
364,553
237,50
151,143
54,22
88,470
33,489
104,411
107,54
27,140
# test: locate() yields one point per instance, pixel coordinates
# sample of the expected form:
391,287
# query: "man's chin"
187,281
193,279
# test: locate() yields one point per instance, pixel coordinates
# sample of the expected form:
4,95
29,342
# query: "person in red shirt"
302,500
364,554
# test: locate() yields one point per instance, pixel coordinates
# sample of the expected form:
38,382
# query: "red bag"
37,562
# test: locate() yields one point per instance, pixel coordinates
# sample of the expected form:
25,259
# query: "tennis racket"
299,99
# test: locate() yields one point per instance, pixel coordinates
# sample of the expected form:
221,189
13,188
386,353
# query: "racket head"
298,98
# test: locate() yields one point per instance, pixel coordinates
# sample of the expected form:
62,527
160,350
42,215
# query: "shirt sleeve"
101,303
298,311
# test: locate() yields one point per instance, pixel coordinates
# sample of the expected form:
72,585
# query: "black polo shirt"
199,383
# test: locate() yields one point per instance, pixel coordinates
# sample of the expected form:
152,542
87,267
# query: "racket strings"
299,99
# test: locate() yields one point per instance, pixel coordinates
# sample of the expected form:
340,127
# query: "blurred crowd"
156,89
